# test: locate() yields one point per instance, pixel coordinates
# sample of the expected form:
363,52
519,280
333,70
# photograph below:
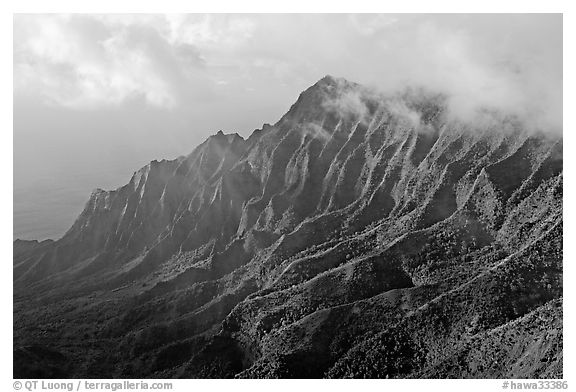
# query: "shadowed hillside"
362,235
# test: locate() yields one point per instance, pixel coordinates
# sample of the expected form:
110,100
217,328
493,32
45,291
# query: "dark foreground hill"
360,236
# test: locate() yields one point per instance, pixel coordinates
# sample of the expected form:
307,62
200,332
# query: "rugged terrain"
362,235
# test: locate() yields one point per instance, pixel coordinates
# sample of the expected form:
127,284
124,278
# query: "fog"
98,96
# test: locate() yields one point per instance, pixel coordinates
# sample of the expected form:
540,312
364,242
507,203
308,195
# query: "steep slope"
362,235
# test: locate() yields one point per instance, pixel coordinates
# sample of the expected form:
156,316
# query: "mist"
98,96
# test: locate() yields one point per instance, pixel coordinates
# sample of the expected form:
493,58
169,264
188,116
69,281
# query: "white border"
177,6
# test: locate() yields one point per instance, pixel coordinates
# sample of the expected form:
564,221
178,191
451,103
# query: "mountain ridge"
251,257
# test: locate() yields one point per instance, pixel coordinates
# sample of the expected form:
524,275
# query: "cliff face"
360,236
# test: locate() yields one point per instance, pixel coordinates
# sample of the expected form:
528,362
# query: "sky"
98,96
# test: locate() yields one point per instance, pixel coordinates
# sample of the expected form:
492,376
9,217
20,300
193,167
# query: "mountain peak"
327,92
220,136
331,81
332,223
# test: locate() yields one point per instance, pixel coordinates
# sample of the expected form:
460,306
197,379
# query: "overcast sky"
158,77
99,96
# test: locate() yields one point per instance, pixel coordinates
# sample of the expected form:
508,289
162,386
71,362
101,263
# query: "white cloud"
369,24
84,61
209,30
510,62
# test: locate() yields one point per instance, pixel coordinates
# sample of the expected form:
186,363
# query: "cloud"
509,62
315,131
220,31
348,104
369,24
91,61
481,62
97,96
399,109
